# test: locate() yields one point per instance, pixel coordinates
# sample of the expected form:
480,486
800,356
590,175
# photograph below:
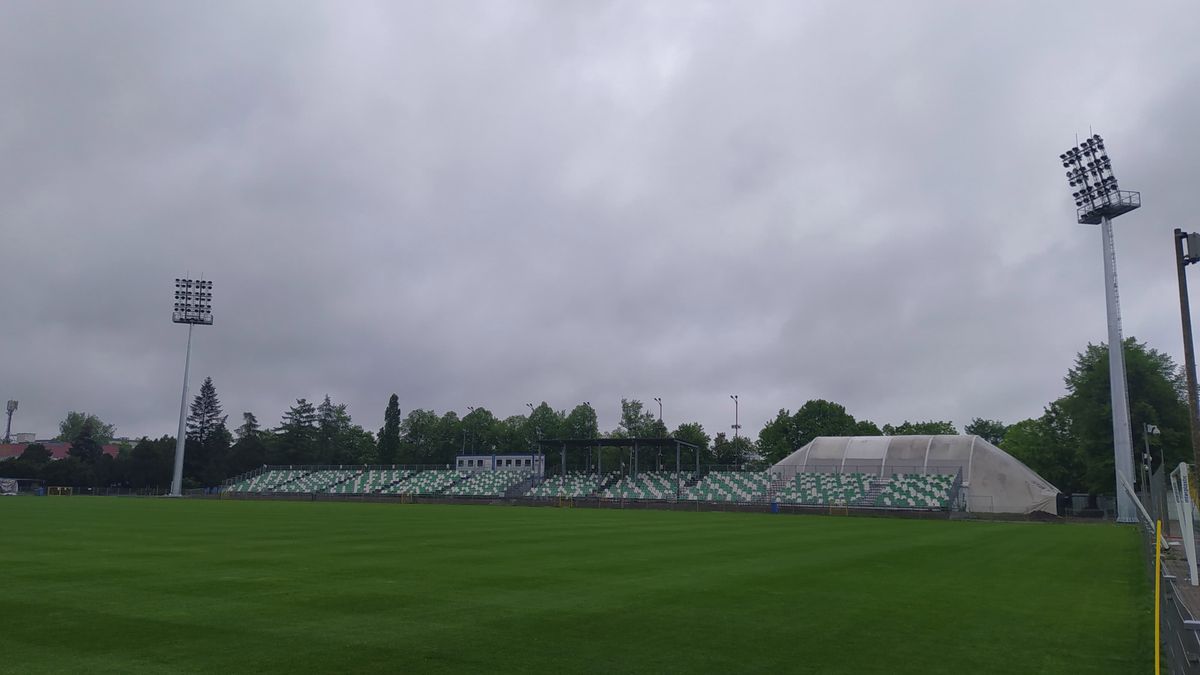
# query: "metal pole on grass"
1098,200
193,305
1185,316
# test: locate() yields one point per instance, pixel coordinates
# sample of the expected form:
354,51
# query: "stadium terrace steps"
910,490
430,482
371,481
730,486
318,481
825,488
486,483
270,480
906,491
574,484
648,485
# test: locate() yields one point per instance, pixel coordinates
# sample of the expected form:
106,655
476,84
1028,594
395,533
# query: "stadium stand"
915,491
487,483
730,486
825,488
371,481
269,481
429,482
574,484
318,481
648,485
810,488
985,478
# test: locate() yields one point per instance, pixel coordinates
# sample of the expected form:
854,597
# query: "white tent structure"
993,481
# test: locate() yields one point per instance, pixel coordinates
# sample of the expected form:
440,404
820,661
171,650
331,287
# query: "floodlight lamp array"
1098,195
193,302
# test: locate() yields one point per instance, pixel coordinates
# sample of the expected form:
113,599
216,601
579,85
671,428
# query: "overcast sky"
488,203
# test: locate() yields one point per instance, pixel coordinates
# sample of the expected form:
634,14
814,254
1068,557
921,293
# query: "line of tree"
1070,444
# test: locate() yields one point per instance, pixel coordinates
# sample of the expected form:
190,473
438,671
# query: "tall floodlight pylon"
1097,201
193,305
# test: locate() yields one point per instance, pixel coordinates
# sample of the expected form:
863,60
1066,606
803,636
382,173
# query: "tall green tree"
36,454
250,450
250,426
150,463
581,422
732,451
481,432
73,423
447,435
1047,445
637,422
992,431
1156,396
205,416
546,422
817,417
295,440
513,433
208,439
84,446
418,437
389,434
693,432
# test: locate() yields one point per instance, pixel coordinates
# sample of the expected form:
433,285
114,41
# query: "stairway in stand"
873,492
774,488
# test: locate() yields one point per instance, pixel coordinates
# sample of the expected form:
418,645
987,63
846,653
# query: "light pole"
1147,465
736,427
1097,201
531,444
658,400
12,408
1148,469
193,305
1185,315
470,409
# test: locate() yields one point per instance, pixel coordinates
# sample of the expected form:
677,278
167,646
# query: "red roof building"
58,450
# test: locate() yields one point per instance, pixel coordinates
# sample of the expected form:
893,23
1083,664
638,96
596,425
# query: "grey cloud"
490,203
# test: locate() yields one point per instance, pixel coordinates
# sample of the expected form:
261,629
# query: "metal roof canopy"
615,442
635,444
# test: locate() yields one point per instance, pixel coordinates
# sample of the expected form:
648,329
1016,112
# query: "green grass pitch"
154,585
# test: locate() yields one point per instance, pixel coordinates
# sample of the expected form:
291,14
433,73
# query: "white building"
534,463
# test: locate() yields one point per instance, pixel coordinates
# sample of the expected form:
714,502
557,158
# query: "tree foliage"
637,422
731,451
581,422
205,418
992,431
85,447
1156,396
295,440
389,434
927,428
74,422
1047,445
817,417
250,426
36,454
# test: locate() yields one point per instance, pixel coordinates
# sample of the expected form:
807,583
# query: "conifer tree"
389,435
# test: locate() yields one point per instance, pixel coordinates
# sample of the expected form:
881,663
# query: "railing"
956,492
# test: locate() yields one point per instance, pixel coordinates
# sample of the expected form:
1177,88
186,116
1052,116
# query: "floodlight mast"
11,408
193,305
1097,201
